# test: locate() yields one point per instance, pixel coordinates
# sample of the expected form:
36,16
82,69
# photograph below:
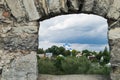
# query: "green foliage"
58,62
99,55
74,52
106,57
73,65
40,51
67,53
67,64
46,66
54,49
70,65
98,69
62,50
86,53
58,50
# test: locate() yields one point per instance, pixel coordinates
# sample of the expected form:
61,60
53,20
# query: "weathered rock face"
19,37
22,68
19,27
36,9
7,57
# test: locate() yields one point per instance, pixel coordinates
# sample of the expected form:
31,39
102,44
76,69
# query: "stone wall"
19,26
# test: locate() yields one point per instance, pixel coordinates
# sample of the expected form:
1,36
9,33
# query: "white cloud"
79,47
47,44
92,47
67,21
78,24
72,27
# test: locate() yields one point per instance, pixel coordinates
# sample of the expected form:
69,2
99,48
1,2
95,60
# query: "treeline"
71,64
102,57
58,50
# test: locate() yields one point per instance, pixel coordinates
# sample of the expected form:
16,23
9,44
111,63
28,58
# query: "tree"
99,55
74,52
86,53
40,51
54,49
106,56
67,53
94,53
62,50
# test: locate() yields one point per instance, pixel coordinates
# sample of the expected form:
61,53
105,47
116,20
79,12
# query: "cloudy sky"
81,31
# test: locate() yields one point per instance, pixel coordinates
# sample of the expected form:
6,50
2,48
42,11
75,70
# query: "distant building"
79,54
41,55
92,57
49,55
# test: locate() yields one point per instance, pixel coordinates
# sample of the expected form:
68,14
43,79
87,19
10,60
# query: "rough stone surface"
6,57
73,4
88,5
54,6
22,68
14,37
43,6
115,76
36,9
16,8
114,11
114,33
101,7
114,42
19,24
31,9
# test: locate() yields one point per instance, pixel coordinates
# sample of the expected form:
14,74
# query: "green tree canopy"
40,51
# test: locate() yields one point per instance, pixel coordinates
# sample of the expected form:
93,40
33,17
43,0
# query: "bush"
46,66
58,63
84,65
70,65
73,65
98,69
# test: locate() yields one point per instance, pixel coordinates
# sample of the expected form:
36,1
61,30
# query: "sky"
81,31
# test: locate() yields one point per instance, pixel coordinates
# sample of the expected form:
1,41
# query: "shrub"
58,62
98,69
73,65
46,66
70,65
84,65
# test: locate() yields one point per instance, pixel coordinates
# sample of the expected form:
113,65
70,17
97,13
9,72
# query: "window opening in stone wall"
74,44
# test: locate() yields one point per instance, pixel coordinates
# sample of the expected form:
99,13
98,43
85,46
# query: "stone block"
114,33
88,6
1,2
54,6
114,11
44,7
31,10
74,4
16,8
101,7
22,68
